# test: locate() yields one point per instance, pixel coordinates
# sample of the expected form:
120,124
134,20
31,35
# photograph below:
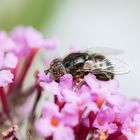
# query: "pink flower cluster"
17,52
8,60
19,43
95,111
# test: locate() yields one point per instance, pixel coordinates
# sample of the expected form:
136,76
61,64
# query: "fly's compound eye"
57,69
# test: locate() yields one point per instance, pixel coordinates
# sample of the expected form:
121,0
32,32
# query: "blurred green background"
27,12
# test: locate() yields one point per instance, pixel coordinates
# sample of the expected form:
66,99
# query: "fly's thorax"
74,59
74,63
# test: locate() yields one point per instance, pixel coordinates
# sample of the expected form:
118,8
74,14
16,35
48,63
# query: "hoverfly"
96,60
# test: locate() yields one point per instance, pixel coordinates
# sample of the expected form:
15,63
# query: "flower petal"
6,77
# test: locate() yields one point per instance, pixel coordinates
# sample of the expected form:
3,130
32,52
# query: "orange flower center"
100,122
79,103
54,122
103,135
99,101
133,130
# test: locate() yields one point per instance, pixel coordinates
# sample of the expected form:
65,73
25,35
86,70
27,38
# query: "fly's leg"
79,84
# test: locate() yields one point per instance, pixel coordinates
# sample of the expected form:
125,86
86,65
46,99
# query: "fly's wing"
111,65
104,50
118,66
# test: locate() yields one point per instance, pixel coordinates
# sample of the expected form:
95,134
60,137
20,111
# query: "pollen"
55,122
103,135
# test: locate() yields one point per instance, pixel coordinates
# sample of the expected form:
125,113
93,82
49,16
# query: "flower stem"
26,68
83,132
11,86
4,100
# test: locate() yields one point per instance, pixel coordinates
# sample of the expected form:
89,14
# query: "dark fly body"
79,64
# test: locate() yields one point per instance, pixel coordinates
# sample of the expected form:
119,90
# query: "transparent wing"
118,66
104,50
112,65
